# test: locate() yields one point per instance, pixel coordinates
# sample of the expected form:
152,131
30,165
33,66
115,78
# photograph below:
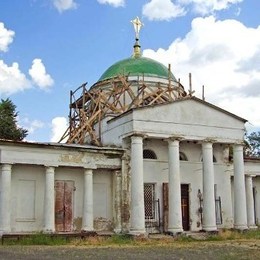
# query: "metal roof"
137,66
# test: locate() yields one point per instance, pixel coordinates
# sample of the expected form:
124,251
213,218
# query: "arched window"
183,157
214,159
149,154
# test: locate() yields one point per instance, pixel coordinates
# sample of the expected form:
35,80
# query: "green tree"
253,141
8,122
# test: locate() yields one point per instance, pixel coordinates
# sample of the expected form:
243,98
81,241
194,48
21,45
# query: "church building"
142,155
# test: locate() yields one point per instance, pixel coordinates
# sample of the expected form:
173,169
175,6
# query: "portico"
175,179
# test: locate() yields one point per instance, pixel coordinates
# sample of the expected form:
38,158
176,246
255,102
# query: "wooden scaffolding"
112,98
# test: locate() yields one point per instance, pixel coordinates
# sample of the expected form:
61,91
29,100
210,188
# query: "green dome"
136,67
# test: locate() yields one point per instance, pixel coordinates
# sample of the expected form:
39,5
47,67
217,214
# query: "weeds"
37,239
120,239
127,240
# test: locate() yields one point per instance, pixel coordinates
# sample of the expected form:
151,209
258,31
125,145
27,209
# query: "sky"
49,47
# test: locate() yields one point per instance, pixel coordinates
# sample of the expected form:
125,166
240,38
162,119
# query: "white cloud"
223,56
39,75
6,37
64,5
209,6
12,80
115,3
170,9
243,106
30,125
162,10
59,126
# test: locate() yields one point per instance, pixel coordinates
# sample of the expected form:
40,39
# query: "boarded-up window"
26,200
100,200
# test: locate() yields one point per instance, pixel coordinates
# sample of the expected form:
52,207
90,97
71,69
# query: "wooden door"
63,205
165,207
184,206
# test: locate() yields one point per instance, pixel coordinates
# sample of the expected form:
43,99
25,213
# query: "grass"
36,239
127,240
237,235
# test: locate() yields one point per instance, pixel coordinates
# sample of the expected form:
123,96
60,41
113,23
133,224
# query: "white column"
175,215
49,201
137,186
240,215
117,203
250,202
5,205
209,213
87,220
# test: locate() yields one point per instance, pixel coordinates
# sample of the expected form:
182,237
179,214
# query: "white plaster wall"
114,130
60,155
156,171
223,180
102,200
27,173
75,175
27,210
28,176
256,184
102,195
190,119
252,167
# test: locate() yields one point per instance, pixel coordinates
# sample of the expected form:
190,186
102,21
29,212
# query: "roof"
137,66
183,99
52,145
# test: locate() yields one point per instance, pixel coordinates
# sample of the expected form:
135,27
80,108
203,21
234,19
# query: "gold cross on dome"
137,26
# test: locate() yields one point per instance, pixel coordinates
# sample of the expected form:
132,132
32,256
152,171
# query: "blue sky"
49,47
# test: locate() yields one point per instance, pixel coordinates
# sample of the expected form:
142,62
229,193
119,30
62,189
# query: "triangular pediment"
190,118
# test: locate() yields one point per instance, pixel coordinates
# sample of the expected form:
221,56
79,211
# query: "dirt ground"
188,250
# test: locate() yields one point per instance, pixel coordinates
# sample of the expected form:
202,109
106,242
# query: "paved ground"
188,250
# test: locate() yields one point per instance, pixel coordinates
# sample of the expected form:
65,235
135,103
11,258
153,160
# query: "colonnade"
243,195
243,201
49,199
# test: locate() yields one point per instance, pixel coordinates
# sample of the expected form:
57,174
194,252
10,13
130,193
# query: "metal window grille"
149,205
149,154
218,211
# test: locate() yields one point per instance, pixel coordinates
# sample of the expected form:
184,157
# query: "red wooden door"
63,205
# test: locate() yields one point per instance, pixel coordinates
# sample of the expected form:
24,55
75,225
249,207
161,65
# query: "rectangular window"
149,200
